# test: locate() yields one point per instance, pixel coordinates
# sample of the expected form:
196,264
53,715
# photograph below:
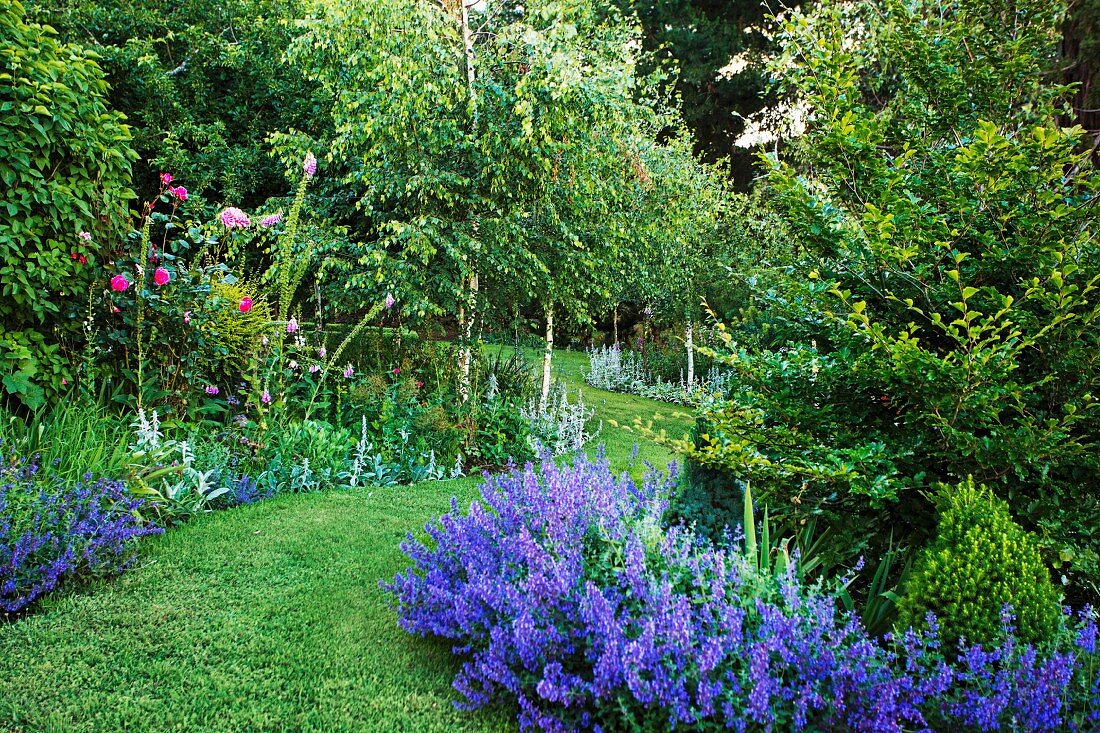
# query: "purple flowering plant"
51,531
565,596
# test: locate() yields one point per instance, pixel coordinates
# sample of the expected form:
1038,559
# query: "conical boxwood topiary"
980,561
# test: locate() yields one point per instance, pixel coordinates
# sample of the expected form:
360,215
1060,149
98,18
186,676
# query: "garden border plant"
563,595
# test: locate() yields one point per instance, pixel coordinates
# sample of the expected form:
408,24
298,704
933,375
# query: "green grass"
267,617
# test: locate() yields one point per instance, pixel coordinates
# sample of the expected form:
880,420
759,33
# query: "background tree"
1080,64
202,83
684,214
503,178
714,53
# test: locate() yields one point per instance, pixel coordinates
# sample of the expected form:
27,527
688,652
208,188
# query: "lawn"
265,617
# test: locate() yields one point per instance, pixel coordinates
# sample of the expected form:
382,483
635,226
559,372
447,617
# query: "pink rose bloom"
396,371
165,178
291,325
265,397
310,166
64,381
86,236
245,305
119,283
389,301
179,192
272,220
115,309
161,276
419,384
349,372
234,218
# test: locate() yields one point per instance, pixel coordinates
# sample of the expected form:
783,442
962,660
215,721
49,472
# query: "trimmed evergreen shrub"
980,562
707,498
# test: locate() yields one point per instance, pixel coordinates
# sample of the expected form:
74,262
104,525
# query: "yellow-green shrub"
233,338
980,561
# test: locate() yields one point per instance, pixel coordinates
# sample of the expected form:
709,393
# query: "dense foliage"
65,170
714,52
943,319
901,322
202,84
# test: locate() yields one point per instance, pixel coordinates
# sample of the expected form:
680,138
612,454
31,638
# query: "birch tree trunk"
689,338
615,320
466,319
468,47
467,325
547,356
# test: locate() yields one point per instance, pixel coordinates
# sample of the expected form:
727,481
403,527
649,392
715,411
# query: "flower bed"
564,596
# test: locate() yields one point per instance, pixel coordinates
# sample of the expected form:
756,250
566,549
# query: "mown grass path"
267,617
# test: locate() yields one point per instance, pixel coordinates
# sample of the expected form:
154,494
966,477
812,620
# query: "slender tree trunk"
547,356
467,336
689,338
468,48
466,321
463,385
615,320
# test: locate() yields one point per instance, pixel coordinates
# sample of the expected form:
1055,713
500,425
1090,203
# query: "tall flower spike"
310,166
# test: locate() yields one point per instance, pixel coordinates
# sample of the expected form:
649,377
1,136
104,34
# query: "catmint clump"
565,597
51,532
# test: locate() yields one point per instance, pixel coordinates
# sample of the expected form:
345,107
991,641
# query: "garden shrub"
232,338
65,171
52,531
710,500
980,562
563,596
193,328
941,319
